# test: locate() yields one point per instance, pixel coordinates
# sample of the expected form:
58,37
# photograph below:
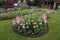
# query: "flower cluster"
32,27
45,16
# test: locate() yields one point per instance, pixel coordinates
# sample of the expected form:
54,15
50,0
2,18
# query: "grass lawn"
6,32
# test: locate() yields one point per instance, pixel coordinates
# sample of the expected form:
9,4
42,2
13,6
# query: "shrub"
13,14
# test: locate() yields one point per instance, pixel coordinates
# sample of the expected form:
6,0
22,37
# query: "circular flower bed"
32,28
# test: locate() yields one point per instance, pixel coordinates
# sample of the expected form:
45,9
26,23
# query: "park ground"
6,32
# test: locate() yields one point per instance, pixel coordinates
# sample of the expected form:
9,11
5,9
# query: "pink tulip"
17,19
45,18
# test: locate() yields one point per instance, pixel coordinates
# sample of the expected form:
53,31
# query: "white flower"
26,23
33,21
27,26
36,25
23,26
40,23
18,27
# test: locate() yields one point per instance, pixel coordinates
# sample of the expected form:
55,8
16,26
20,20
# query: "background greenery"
13,14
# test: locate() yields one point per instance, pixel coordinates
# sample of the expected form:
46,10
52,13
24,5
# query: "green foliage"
35,15
13,14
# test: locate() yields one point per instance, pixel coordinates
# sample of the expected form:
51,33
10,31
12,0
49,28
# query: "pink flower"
17,19
44,16
45,21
